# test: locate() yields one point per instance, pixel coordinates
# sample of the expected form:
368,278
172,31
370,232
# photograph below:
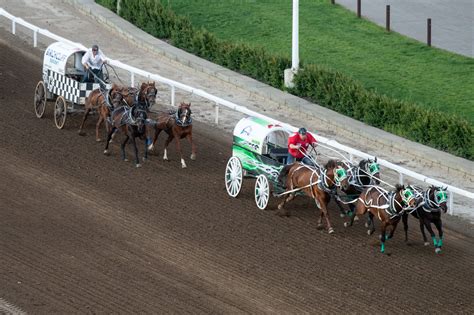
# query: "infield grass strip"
333,36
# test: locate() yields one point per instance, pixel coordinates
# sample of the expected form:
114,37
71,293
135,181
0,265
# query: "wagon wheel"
233,176
40,99
60,111
262,192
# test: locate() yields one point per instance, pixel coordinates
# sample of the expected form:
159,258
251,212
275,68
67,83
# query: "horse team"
359,185
127,110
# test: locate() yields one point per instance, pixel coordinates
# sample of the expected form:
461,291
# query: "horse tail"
283,174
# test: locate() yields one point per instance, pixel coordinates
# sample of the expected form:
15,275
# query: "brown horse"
366,174
147,94
177,124
317,183
104,101
387,206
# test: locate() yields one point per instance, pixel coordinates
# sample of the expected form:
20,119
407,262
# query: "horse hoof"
183,166
427,244
193,157
81,133
125,160
151,147
366,224
438,250
356,218
331,230
106,152
369,232
346,224
144,159
138,165
319,227
98,140
342,215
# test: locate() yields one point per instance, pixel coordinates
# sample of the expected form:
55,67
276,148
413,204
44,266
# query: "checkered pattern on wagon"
70,89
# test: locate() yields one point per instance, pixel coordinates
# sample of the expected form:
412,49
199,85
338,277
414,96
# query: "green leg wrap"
435,243
387,236
382,248
440,242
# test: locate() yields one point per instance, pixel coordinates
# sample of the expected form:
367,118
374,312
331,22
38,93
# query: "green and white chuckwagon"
259,150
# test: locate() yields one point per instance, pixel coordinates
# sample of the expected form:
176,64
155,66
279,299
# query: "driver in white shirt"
93,60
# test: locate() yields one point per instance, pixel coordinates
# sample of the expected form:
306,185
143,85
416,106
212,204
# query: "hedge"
323,86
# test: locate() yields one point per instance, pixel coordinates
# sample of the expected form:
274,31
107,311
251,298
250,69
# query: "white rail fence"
222,102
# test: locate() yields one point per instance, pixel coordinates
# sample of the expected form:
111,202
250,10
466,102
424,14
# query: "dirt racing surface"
81,232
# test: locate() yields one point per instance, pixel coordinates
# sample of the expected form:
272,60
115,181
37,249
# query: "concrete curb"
373,137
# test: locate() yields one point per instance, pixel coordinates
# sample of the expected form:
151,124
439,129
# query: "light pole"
295,59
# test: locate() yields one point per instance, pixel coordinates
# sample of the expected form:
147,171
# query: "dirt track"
83,232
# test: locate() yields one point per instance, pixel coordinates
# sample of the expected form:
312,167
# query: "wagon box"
259,150
63,74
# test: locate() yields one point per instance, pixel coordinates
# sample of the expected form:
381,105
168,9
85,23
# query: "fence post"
400,178
35,38
428,26
118,7
172,95
451,203
217,113
13,26
387,18
132,79
359,9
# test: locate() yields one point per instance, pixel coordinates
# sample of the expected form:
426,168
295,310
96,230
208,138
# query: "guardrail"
219,101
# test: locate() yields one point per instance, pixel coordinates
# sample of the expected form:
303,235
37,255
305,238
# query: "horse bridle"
339,175
434,205
149,94
178,115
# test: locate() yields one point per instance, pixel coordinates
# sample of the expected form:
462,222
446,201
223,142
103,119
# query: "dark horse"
177,124
318,183
387,206
430,203
131,121
366,174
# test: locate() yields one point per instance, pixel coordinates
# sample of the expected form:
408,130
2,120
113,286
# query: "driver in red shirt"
298,145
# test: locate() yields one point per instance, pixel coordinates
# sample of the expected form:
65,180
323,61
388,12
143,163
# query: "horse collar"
323,183
391,209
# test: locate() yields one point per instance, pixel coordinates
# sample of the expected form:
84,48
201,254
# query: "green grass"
389,63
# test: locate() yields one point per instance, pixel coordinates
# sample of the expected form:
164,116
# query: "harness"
390,203
127,117
323,184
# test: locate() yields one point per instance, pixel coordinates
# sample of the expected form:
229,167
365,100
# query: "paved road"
452,21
